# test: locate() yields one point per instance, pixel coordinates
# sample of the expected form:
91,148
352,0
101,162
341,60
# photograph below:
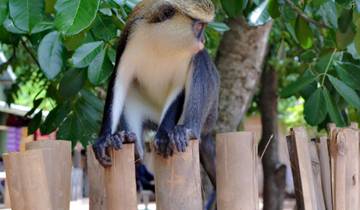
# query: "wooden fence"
326,175
326,169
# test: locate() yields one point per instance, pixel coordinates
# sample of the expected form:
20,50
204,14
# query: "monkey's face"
172,31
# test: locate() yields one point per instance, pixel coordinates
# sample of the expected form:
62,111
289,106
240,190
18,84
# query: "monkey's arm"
202,95
107,137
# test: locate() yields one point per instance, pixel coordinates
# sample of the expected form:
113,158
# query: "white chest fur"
156,74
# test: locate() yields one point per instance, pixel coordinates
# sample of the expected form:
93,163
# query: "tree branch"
304,16
31,53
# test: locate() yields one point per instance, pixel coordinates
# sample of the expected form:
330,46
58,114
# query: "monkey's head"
174,25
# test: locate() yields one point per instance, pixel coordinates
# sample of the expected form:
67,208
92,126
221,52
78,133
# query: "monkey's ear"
163,13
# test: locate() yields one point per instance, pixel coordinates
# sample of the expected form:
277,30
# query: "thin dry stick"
267,145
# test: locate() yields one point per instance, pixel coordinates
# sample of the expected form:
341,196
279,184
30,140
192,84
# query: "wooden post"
28,181
96,175
236,166
346,169
301,167
177,180
315,163
120,180
323,151
58,167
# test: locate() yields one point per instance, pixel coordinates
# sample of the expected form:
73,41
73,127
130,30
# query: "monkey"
164,79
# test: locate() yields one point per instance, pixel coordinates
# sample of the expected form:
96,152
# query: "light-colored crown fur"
198,9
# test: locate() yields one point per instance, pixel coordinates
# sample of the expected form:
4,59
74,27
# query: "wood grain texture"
237,187
298,144
58,167
28,181
96,175
177,180
324,157
120,180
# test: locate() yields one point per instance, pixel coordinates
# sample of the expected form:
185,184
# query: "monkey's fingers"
130,137
102,154
179,138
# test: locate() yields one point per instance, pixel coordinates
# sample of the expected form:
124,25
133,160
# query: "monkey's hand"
179,137
104,143
162,144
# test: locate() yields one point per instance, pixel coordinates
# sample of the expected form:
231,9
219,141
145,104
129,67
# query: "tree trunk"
274,176
239,61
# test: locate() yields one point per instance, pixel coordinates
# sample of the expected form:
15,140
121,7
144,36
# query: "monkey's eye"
164,13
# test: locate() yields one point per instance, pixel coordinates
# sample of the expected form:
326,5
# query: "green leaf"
72,82
328,13
100,68
273,8
73,16
317,3
314,111
50,6
349,73
104,28
345,20
344,39
10,27
333,110
346,92
219,26
6,37
357,41
303,33
306,79
84,55
4,10
26,13
42,26
234,8
73,42
50,55
55,118
357,2
35,123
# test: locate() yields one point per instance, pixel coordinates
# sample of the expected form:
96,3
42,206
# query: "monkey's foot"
179,137
162,144
103,144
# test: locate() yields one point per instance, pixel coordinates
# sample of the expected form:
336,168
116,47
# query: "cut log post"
58,170
346,167
120,180
177,180
96,175
323,151
236,166
298,145
28,181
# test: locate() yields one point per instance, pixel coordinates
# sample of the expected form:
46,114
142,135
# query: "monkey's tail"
211,203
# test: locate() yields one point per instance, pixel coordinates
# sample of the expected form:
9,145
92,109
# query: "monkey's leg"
170,118
207,156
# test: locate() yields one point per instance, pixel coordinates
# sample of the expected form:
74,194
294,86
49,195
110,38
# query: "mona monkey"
163,77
